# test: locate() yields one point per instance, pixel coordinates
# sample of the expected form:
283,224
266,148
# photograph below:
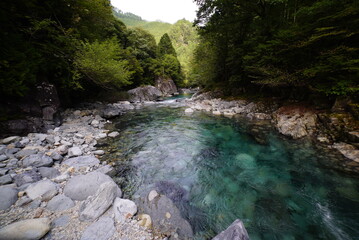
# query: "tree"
165,46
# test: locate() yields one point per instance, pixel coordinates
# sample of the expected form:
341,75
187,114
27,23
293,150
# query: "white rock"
99,152
152,195
113,134
10,139
216,113
189,110
74,152
124,209
63,149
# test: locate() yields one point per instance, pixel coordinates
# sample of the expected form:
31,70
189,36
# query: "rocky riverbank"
330,129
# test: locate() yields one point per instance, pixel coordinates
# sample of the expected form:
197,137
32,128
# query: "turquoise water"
234,168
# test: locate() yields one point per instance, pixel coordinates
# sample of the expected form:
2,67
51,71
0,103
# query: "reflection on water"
277,188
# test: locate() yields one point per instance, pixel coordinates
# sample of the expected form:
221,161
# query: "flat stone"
103,229
236,231
25,152
3,157
96,205
8,197
44,189
60,203
74,152
12,163
31,229
99,152
9,140
5,179
81,162
82,186
49,173
124,209
27,177
37,160
5,171
113,134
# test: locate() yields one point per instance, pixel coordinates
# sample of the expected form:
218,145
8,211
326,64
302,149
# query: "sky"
165,10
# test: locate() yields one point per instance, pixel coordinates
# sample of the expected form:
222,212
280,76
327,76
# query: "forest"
79,46
278,44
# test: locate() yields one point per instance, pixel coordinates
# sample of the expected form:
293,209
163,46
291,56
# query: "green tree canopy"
165,46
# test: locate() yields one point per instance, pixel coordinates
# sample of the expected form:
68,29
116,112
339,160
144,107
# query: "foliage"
280,43
165,46
101,63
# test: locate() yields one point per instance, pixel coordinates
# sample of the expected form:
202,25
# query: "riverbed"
235,168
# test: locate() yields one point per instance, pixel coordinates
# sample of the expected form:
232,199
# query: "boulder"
166,86
8,197
81,162
82,186
166,217
146,93
96,205
60,203
103,229
31,229
37,160
44,189
295,122
123,209
236,231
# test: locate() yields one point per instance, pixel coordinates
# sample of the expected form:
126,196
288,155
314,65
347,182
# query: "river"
236,168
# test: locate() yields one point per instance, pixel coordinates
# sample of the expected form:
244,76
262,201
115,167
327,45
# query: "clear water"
232,168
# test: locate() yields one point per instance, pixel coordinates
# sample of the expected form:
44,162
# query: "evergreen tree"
165,46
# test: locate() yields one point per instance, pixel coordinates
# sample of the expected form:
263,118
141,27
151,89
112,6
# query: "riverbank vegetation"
77,45
270,45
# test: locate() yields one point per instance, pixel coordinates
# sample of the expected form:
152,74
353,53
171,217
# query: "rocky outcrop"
166,86
295,122
236,231
146,93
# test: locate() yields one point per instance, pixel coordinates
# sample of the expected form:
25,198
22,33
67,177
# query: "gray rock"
166,217
123,209
44,189
82,186
23,201
24,142
5,171
80,162
49,173
103,229
113,134
25,152
74,152
37,160
27,177
62,221
111,112
12,163
108,170
8,197
236,231
60,203
166,86
35,204
3,157
9,140
56,156
31,229
63,149
96,205
5,179
146,93
11,151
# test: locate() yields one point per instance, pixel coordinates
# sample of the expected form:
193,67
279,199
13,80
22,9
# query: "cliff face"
166,86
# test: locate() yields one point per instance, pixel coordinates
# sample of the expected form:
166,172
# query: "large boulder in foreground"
236,231
146,93
82,186
166,86
166,217
31,229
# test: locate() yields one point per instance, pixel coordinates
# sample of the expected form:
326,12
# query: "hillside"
156,28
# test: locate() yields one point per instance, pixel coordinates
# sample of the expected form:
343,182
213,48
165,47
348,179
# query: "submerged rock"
31,229
236,231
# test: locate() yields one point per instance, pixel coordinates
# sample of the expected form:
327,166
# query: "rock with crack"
82,186
96,205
